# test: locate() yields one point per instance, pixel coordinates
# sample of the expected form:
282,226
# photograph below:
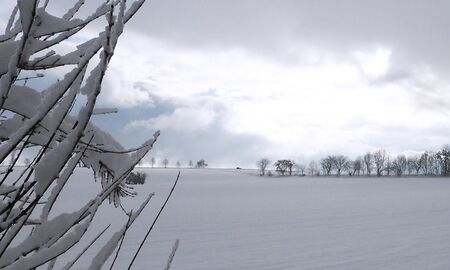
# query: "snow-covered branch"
46,120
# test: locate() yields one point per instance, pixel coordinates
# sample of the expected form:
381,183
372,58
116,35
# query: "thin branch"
121,241
154,222
172,254
70,264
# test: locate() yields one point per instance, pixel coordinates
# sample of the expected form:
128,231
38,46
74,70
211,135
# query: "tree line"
378,163
200,164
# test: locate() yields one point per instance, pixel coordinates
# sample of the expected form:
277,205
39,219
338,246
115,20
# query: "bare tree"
424,165
389,167
357,166
418,164
165,162
400,165
327,165
379,158
201,164
153,161
312,168
300,169
340,163
409,165
443,159
433,167
178,164
368,162
290,165
262,165
280,167
363,167
414,164
284,165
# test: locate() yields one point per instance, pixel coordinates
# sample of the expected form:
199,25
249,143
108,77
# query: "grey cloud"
398,139
417,30
218,146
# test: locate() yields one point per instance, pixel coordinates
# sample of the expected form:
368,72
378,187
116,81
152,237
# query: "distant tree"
357,166
368,162
191,164
262,165
165,162
409,165
424,162
418,164
414,164
379,159
136,178
312,168
400,165
201,164
340,163
302,169
443,158
153,161
327,165
433,164
178,164
280,167
299,169
389,168
290,165
284,165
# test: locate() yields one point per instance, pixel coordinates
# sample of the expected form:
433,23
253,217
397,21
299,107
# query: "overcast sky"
234,81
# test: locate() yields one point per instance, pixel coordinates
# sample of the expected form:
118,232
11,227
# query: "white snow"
50,24
35,116
227,219
26,9
7,49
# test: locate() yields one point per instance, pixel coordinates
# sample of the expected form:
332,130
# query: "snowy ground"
227,219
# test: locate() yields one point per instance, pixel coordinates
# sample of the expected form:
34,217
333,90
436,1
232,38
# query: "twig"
69,265
154,222
172,254
121,241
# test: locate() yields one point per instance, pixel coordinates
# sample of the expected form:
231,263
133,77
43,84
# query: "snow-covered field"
227,219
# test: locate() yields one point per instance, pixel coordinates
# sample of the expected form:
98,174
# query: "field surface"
227,219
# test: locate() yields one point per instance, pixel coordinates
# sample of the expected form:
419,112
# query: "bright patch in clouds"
183,119
300,109
374,64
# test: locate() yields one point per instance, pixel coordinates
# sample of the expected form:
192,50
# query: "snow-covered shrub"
136,178
201,164
60,133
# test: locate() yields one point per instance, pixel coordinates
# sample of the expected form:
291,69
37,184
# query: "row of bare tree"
165,162
378,163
